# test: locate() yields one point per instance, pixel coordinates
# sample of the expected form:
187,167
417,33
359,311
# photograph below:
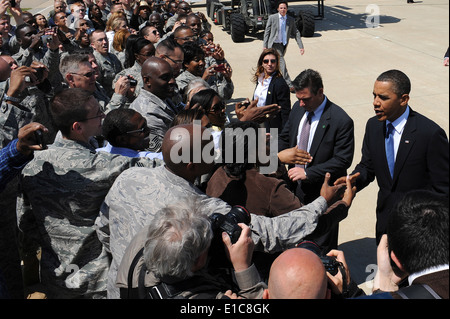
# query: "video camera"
329,262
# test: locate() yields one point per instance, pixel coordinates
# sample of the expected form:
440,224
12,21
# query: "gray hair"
176,238
70,63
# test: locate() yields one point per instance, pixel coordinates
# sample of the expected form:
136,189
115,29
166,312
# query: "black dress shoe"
410,1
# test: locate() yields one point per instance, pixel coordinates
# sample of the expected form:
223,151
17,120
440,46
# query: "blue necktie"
283,30
389,144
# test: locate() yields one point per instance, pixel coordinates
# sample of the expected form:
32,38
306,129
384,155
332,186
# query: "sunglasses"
88,75
273,61
141,130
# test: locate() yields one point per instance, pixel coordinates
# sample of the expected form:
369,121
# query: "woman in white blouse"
271,88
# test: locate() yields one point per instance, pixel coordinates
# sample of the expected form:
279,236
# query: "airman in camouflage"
154,101
139,193
21,102
108,64
62,190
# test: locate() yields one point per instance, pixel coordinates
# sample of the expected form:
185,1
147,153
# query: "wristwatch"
12,99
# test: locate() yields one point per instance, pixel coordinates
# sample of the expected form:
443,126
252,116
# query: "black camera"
225,223
229,223
330,263
133,82
40,139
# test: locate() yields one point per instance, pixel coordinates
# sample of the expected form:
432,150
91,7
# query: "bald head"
158,77
185,148
5,70
297,274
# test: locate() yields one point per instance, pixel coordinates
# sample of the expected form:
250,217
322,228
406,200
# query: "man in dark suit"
420,148
419,219
279,28
329,139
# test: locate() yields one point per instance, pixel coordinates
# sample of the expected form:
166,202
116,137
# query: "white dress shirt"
314,122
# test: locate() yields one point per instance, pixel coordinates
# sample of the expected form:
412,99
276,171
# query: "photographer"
175,254
302,273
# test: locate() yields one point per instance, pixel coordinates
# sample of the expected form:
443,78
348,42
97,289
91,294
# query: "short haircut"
400,81
308,79
282,1
177,236
69,106
418,230
20,27
117,123
70,63
167,46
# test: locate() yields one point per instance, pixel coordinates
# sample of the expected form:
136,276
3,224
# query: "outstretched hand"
331,193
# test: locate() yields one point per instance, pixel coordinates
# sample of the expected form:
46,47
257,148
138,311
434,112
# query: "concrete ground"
350,55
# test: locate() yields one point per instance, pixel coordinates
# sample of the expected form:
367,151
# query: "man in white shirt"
280,27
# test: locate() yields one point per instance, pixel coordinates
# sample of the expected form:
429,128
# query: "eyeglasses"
88,75
99,114
218,107
174,61
155,32
140,131
273,61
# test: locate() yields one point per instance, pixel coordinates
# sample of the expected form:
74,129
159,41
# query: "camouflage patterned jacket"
159,115
62,190
108,67
139,193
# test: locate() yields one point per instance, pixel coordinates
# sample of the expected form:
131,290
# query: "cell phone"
220,68
13,3
40,138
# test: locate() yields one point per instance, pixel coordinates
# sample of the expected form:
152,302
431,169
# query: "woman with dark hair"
213,106
95,15
195,67
271,88
137,50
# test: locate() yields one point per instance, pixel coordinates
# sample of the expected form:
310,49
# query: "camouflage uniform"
139,193
206,285
47,57
62,190
108,67
159,115
12,118
217,82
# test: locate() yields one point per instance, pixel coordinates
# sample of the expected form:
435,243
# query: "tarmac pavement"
350,55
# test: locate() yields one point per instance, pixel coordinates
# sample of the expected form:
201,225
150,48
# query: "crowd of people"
122,175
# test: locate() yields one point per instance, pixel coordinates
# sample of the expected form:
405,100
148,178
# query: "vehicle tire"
237,27
305,24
